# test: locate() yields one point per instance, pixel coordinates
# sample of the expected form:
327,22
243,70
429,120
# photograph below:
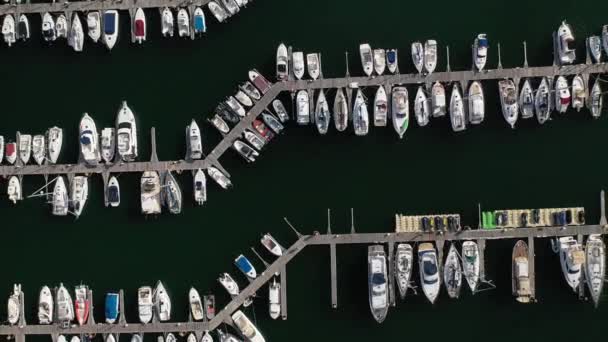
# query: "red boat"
81,304
261,128
11,152
259,81
140,26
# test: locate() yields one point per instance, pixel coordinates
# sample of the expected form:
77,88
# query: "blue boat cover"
84,137
113,194
109,21
378,279
391,56
483,42
111,305
199,23
243,264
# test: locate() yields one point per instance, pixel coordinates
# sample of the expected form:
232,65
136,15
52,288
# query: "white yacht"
298,64
171,193
25,147
380,107
61,26
45,306
340,111
167,23
126,133
430,55
438,100
8,29
150,193
80,193
457,117
470,264
377,282
520,275
65,306
23,28
89,140
196,305
379,61
302,108
367,61
542,103
480,51
280,110
183,23
595,99
54,138
231,6
418,56
246,151
247,329
60,199
254,140
571,257
194,140
594,43
39,149
200,187
76,34
243,98
108,144
282,63
476,103
113,192
145,304
110,28
508,101
360,115
14,305
274,299
400,112
219,177
452,273
579,93
562,95
48,27
595,266
422,107
429,271
322,114
218,11
94,25
565,44
526,100
13,190
404,258
313,65
162,302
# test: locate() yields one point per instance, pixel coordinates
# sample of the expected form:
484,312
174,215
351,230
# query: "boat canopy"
199,23
111,305
430,267
109,23
391,56
126,125
482,42
243,264
10,149
85,137
140,28
113,194
378,279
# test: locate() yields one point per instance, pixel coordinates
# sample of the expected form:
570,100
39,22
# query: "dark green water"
168,82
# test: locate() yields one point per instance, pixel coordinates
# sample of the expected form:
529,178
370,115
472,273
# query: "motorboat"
14,305
418,56
246,327
113,192
259,81
302,108
380,107
145,304
243,99
183,23
595,99
231,6
167,23
430,55
162,302
246,151
111,307
73,339
508,101
438,103
89,140
25,147
470,264
452,273
429,271
379,61
13,190
200,187
377,282
110,338
322,114
61,26
23,28
392,60
273,123
198,21
190,338
60,199
126,133
298,64
38,149
422,107
480,51
108,144
218,11
219,124
229,284
219,177
8,29
282,63
254,140
150,193
79,195
226,337
476,103
526,100
520,273
82,304
171,193
76,34
139,26
542,102
594,43
340,111
45,306
562,95
209,302
571,257
65,307
360,115
110,28
271,245
194,140
94,25
262,129
565,44
605,38
313,65
274,299
245,266
54,139
11,152
579,93
400,110
280,110
404,258
137,338
457,117
251,91
48,27
595,266
365,51
206,337
196,305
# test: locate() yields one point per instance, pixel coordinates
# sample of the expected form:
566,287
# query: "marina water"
170,81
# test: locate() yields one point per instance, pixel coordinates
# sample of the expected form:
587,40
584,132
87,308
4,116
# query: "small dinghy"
273,122
94,25
322,114
251,91
457,110
430,55
139,26
302,108
61,26
183,23
452,273
25,147
280,110
209,301
595,48
313,65
89,141
219,177
199,22
379,61
162,302
418,56
76,34
113,192
171,194
360,115
508,100
595,266
595,99
220,124
579,93
562,95
571,258
108,144
13,190
259,81
145,304
200,187
392,60
274,299
39,149
8,29
476,103
254,140
196,306
422,107
520,273
166,22
246,151
245,266
541,102
429,271
48,28
231,6
60,199
54,138
404,258
194,141
243,99
439,107
565,44
272,245
23,28
282,63
380,107
11,153
526,100
79,195
470,264
110,28
340,111
400,111
218,12
45,306
480,51
298,64
14,305
365,51
229,284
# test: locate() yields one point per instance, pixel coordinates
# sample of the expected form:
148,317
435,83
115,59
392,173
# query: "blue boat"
111,307
391,60
110,28
245,266
199,21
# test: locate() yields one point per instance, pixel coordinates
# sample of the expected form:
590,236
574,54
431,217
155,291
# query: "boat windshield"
391,57
429,267
378,279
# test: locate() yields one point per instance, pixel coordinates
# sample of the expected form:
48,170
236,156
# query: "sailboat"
562,95
167,23
54,138
274,299
380,107
541,102
219,177
571,258
400,110
61,26
302,108
196,305
48,27
480,51
379,61
422,107
280,110
565,44
94,25
38,149
520,273
218,11
13,190
200,187
89,143
145,304
80,193
195,145
14,305
65,307
298,64
595,266
23,28
476,103
595,99
430,55
139,26
8,29
579,93
404,258
452,273
60,198
360,115
508,100
313,65
457,110
392,60
418,56
470,264
110,28
245,266
82,304
113,192
429,271
108,144
76,34
595,48
45,306
377,282
172,194
150,193
25,147
365,52
322,114
162,302
183,23
340,111
282,63
526,100
438,102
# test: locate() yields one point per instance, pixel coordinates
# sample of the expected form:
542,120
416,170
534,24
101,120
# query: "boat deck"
96,5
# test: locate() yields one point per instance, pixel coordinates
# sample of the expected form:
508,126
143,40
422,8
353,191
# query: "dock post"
191,9
20,337
352,221
320,67
603,221
525,54
132,23
391,271
292,227
481,244
465,100
334,277
440,243
91,318
290,76
22,322
587,55
499,58
531,261
122,320
154,156
581,284
447,56
311,103
105,176
284,292
347,71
